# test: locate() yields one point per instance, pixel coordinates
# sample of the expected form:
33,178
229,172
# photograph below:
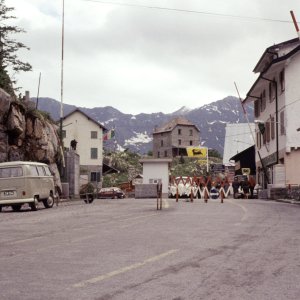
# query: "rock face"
25,134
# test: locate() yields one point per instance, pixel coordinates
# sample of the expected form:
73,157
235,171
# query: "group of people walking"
244,188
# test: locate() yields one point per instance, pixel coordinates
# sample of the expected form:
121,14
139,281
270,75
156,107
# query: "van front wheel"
34,205
48,203
16,207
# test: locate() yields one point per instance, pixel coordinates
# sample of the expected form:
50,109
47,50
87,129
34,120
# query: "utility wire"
192,11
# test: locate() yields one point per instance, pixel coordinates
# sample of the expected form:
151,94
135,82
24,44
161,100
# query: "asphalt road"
126,249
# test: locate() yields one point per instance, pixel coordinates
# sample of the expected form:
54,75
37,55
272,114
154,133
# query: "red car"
111,192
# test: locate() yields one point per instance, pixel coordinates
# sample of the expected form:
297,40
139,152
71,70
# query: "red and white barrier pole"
295,23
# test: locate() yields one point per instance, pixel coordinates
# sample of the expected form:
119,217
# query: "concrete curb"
290,201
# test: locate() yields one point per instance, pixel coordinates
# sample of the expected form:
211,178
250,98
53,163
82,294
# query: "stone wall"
26,134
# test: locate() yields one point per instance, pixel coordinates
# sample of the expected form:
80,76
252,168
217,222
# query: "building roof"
173,123
272,60
273,52
155,160
87,116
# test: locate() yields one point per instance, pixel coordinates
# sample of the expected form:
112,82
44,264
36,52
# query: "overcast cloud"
147,60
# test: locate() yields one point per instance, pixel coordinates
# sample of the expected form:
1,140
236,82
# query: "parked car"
26,182
111,192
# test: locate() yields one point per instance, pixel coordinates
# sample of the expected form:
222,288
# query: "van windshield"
11,172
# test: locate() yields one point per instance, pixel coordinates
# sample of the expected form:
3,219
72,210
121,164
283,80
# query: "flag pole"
62,71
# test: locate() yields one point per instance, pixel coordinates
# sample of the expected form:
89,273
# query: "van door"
44,182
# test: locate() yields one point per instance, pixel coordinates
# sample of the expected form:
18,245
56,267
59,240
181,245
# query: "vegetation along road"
126,249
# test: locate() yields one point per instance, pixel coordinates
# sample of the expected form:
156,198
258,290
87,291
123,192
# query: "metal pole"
62,71
38,92
295,23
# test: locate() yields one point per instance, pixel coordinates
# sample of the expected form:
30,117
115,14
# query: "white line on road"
166,203
245,216
125,269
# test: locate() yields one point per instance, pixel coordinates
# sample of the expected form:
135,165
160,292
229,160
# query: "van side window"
41,171
34,171
47,171
11,172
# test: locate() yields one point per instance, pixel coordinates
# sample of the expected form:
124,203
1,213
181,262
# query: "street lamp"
261,126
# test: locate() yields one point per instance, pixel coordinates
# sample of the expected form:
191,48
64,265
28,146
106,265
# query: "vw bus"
26,182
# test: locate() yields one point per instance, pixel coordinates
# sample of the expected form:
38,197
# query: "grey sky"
148,60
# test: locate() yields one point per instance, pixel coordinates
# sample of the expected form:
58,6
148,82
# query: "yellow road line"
125,269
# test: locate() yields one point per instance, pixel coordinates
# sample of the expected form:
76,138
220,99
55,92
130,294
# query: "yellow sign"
200,152
246,171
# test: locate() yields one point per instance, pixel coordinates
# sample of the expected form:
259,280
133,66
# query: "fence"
201,187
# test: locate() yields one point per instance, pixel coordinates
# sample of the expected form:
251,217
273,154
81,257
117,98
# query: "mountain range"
134,132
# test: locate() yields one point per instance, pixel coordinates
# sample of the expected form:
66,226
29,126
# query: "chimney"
27,96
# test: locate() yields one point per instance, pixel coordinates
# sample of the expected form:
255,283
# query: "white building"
88,133
238,137
155,171
276,96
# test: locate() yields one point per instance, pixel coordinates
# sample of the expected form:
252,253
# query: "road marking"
138,217
245,216
166,203
25,240
125,269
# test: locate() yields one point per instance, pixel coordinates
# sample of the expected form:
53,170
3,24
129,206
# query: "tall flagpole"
62,71
62,87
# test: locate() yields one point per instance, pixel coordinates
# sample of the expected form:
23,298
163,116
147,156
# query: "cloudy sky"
138,59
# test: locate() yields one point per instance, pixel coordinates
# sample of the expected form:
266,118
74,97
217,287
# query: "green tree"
8,50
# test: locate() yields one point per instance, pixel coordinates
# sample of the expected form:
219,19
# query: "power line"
192,11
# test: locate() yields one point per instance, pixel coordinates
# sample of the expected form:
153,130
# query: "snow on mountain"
138,138
135,131
182,111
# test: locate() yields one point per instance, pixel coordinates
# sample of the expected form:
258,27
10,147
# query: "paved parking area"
126,249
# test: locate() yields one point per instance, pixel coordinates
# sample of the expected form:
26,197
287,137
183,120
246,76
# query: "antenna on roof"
295,23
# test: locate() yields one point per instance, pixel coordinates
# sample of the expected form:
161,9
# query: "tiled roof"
173,123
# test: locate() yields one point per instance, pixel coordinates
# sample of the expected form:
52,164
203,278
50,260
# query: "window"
94,153
256,108
94,134
191,132
161,143
64,134
166,153
264,138
95,176
258,140
282,81
263,101
11,172
34,171
47,171
179,131
272,90
179,142
158,154
268,132
41,171
282,128
191,143
272,128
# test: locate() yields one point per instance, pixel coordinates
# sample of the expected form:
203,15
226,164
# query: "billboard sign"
199,152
